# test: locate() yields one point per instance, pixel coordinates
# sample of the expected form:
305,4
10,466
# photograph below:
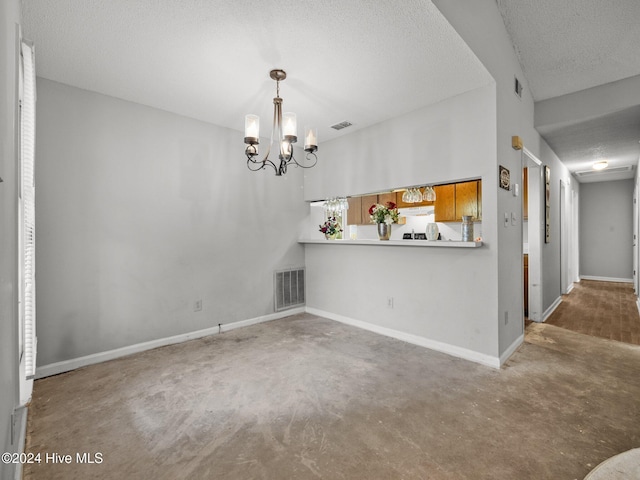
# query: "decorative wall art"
504,178
547,204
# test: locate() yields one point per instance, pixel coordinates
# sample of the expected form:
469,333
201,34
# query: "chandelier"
285,130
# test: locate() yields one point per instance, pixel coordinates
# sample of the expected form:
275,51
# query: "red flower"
371,209
391,205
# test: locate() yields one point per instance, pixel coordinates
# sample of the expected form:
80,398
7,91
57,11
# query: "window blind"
27,206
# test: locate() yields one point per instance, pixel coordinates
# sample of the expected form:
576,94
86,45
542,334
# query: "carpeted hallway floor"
305,398
601,309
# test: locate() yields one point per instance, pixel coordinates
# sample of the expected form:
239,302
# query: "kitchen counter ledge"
395,243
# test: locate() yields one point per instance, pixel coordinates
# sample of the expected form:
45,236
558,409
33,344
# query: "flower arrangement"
387,213
330,227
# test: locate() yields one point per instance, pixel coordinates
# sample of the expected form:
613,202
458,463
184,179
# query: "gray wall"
141,213
480,24
551,281
454,300
9,19
606,229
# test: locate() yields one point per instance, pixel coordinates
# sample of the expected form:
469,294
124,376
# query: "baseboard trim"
638,303
547,313
68,365
606,279
452,350
21,421
570,288
511,350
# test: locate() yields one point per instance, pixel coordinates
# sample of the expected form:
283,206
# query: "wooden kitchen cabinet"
383,198
358,213
354,214
458,199
367,201
445,208
466,199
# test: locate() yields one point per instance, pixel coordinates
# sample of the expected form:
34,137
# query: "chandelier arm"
315,160
283,167
255,165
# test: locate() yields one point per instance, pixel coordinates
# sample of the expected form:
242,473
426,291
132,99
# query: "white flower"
388,219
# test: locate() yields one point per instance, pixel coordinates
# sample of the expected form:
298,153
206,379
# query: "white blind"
27,206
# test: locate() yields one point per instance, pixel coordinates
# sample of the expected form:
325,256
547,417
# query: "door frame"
565,238
535,235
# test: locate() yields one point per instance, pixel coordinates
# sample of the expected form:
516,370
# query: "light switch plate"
514,220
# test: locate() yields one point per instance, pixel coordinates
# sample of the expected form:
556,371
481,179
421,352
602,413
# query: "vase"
328,236
467,228
384,231
432,231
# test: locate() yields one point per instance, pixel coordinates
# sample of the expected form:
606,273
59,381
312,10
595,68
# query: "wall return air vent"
607,171
288,288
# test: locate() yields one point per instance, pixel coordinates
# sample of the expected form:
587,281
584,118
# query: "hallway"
600,309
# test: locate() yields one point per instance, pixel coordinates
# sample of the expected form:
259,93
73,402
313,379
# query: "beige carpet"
601,309
307,398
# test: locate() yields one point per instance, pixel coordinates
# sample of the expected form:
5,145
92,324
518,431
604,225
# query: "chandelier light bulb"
251,128
311,139
290,127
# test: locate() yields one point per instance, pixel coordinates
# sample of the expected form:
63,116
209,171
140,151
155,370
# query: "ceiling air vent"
591,172
341,125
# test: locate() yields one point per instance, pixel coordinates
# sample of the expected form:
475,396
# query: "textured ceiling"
566,46
570,45
613,137
363,61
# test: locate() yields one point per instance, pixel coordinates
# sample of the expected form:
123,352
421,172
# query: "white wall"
606,229
443,142
480,24
9,20
143,212
551,281
445,295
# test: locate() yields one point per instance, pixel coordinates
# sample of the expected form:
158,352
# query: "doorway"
532,232
565,224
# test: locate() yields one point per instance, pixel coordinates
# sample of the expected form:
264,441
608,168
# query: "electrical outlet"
197,306
506,219
389,302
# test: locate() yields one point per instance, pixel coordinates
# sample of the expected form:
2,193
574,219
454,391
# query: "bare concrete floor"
305,397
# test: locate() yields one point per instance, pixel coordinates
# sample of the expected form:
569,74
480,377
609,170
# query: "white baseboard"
606,279
570,288
68,365
452,350
511,350
21,427
638,304
547,313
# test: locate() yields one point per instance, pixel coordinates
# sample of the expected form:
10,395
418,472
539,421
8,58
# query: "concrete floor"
305,397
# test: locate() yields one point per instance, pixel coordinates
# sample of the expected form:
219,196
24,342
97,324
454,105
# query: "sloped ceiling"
573,46
354,60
